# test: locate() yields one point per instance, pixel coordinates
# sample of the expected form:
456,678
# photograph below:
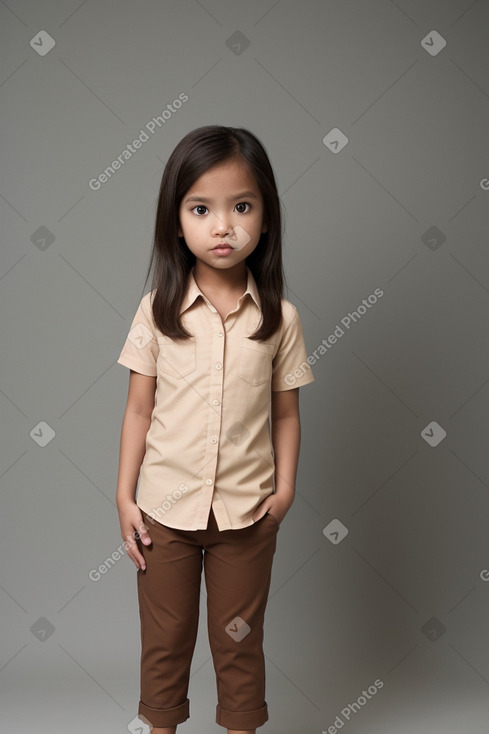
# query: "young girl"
211,427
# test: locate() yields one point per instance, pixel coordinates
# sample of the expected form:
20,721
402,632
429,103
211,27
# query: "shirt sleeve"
140,350
290,366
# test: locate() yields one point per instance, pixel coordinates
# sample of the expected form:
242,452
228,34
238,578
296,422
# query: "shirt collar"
193,291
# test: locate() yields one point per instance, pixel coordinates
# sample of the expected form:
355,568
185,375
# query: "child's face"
222,213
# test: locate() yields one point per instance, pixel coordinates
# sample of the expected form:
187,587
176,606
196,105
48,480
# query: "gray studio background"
377,618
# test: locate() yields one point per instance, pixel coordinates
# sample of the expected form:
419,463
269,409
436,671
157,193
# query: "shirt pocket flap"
176,358
255,361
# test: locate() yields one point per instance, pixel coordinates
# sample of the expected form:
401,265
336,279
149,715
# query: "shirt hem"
298,383
143,370
176,527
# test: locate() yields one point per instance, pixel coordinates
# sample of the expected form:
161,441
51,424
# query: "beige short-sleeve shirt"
209,441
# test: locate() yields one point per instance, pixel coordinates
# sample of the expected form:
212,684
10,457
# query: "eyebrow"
249,194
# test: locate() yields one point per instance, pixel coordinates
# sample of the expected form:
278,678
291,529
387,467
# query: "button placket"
214,420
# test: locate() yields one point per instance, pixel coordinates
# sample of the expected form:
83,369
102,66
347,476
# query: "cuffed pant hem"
241,719
165,717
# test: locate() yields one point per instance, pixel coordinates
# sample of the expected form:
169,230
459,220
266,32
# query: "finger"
140,530
137,559
141,533
133,549
141,564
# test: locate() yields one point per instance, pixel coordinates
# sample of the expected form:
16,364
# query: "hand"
275,504
133,528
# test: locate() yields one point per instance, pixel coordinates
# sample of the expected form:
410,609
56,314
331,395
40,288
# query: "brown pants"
237,566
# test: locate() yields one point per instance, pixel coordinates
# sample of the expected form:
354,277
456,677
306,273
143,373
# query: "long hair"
198,151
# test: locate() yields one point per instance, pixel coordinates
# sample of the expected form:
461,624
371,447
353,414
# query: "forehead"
232,176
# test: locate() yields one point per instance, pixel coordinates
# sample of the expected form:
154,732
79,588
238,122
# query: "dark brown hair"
198,151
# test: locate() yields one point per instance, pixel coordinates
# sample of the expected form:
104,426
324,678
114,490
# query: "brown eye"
242,203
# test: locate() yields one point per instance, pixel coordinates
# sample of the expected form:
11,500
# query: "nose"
222,224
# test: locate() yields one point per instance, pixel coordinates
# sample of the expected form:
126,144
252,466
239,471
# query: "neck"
232,279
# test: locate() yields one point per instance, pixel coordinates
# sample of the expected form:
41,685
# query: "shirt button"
220,333
218,366
213,439
215,402
208,481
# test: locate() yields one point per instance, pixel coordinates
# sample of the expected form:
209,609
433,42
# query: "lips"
223,246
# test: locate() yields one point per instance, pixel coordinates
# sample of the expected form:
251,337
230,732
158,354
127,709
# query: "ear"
264,227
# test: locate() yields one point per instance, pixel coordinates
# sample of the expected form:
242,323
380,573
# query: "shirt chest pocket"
176,358
255,361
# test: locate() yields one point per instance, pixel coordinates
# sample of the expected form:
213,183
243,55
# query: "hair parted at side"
198,151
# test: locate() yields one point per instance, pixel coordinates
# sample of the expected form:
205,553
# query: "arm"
286,438
135,425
